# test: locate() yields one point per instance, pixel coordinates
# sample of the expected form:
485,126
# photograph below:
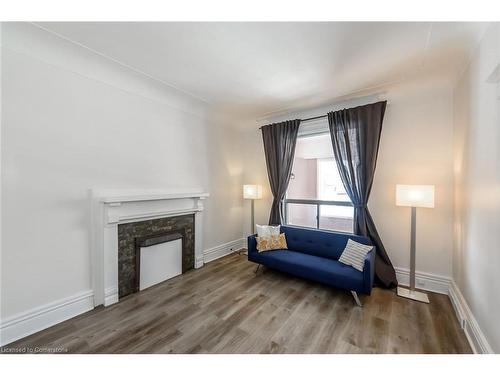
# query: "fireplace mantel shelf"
150,197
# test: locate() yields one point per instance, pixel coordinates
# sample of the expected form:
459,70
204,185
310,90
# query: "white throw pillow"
354,254
267,230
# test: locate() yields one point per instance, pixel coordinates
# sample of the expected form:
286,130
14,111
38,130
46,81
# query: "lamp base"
413,294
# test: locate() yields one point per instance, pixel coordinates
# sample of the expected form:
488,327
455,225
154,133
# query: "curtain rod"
315,118
306,119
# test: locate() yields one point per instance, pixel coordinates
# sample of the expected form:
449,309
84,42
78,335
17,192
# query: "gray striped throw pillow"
354,254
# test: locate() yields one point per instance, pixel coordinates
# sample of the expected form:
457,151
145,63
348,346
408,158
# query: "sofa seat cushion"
312,267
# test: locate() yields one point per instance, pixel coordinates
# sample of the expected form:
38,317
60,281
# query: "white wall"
415,148
224,209
476,256
254,172
74,120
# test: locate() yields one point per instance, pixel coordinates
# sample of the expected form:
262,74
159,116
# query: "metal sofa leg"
257,269
356,298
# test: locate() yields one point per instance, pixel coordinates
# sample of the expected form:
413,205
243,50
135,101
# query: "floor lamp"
414,196
252,192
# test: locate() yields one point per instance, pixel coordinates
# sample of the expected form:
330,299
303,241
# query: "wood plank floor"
225,307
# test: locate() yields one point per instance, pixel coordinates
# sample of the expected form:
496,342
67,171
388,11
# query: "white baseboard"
110,296
425,281
223,250
473,332
29,322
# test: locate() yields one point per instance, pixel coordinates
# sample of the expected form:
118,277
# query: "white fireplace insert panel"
160,262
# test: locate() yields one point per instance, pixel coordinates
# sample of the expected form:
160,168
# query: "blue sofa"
313,254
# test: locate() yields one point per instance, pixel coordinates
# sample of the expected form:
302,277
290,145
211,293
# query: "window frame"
317,203
314,202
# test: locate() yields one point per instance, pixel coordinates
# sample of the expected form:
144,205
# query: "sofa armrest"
252,244
369,271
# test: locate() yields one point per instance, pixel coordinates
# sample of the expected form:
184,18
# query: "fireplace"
132,237
122,220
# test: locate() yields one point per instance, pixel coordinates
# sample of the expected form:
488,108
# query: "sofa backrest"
326,244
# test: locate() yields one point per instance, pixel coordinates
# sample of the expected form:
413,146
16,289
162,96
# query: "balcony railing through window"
320,214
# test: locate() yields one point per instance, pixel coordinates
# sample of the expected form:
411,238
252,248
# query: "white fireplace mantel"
109,208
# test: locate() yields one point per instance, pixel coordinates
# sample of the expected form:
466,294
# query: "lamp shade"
415,195
252,191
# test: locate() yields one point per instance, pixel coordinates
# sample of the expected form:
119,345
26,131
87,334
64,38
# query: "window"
316,196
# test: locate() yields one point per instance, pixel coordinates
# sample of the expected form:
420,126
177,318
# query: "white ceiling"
261,68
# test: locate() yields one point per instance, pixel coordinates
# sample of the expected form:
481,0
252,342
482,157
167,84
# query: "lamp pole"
414,196
411,293
413,247
252,228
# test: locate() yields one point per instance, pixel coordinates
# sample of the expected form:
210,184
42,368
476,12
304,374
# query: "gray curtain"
355,134
279,146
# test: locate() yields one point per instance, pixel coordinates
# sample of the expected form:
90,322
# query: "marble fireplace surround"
109,208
